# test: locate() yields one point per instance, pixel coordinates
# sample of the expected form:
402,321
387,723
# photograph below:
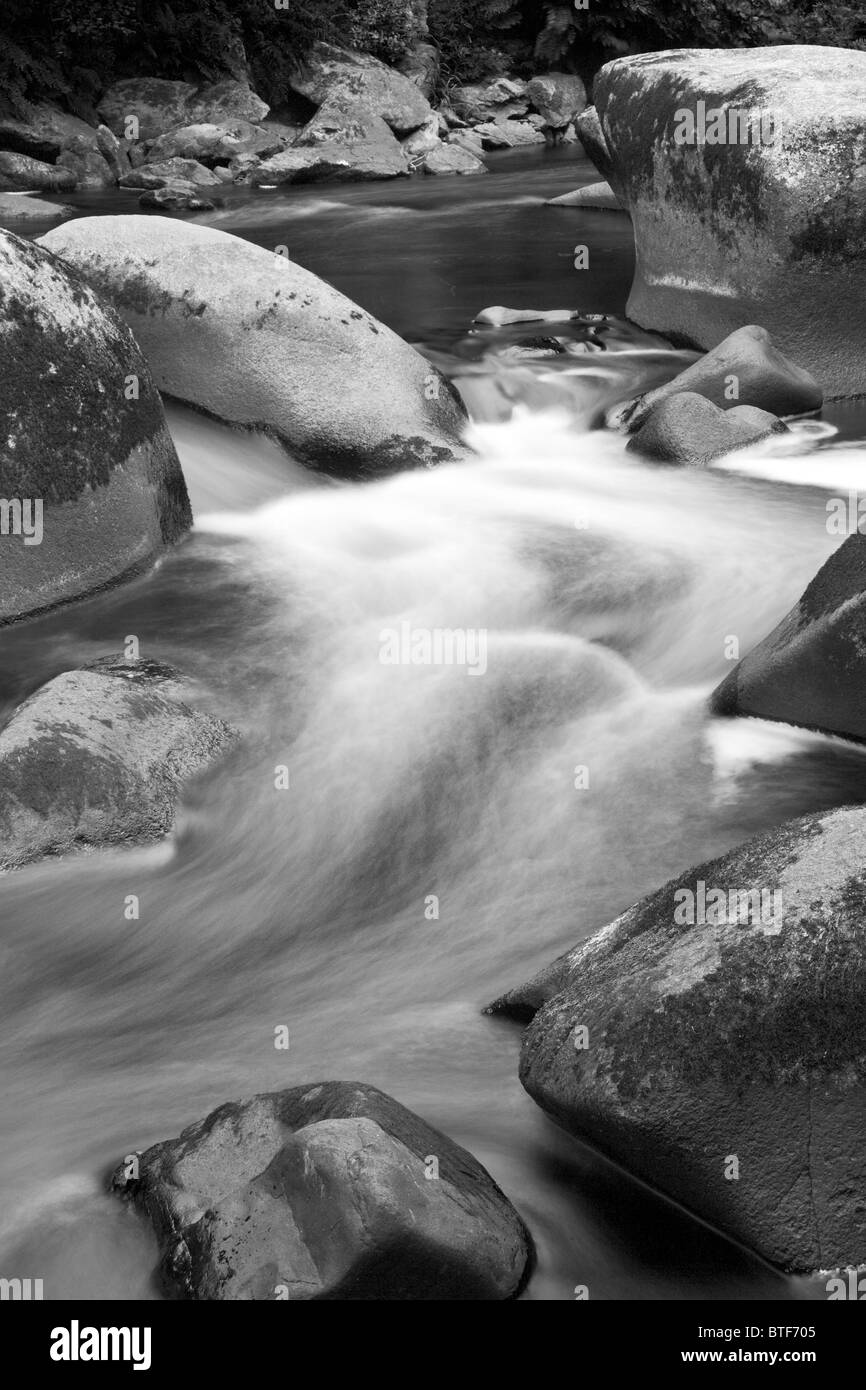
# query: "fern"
557,36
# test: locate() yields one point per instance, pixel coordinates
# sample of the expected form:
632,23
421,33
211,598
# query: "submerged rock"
93,759
597,196
331,1191
687,428
713,1041
452,159
84,445
746,369
811,669
177,195
364,83
254,339
742,171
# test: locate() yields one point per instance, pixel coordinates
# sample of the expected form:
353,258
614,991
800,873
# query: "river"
609,591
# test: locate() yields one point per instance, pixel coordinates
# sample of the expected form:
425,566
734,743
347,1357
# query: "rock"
421,66
17,207
324,1191
166,171
357,79
810,670
45,134
159,105
176,196
558,97
687,428
224,172
349,143
498,316
451,159
747,364
31,175
102,466
424,139
490,101
594,142
256,340
597,196
768,227
115,152
731,1046
468,140
331,161
92,760
508,135
88,166
209,143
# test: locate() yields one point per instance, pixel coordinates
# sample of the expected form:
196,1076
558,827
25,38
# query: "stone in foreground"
85,453
252,338
689,429
596,197
98,757
713,1041
811,669
742,170
329,1191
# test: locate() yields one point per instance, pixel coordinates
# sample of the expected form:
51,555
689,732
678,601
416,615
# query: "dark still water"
608,591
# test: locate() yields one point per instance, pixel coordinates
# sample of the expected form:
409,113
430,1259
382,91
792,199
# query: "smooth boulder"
254,339
451,159
159,105
689,429
17,207
330,1191
742,171
558,97
33,175
211,142
713,1041
84,440
98,757
595,196
362,81
746,369
165,171
811,669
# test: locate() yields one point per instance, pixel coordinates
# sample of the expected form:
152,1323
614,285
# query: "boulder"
811,669
45,133
451,159
594,196
210,143
159,105
115,152
98,757
357,79
100,466
497,316
164,171
747,369
176,196
17,207
592,137
558,97
742,171
498,100
468,140
346,142
687,428
329,1191
254,339
508,135
88,165
421,141
713,1041
32,175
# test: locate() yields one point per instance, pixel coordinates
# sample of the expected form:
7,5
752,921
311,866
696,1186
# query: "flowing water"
608,591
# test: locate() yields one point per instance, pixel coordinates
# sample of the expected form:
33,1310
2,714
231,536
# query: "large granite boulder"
98,757
811,669
330,73
713,1041
558,97
33,175
84,445
254,339
330,1191
497,100
211,142
164,171
687,428
159,105
742,170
